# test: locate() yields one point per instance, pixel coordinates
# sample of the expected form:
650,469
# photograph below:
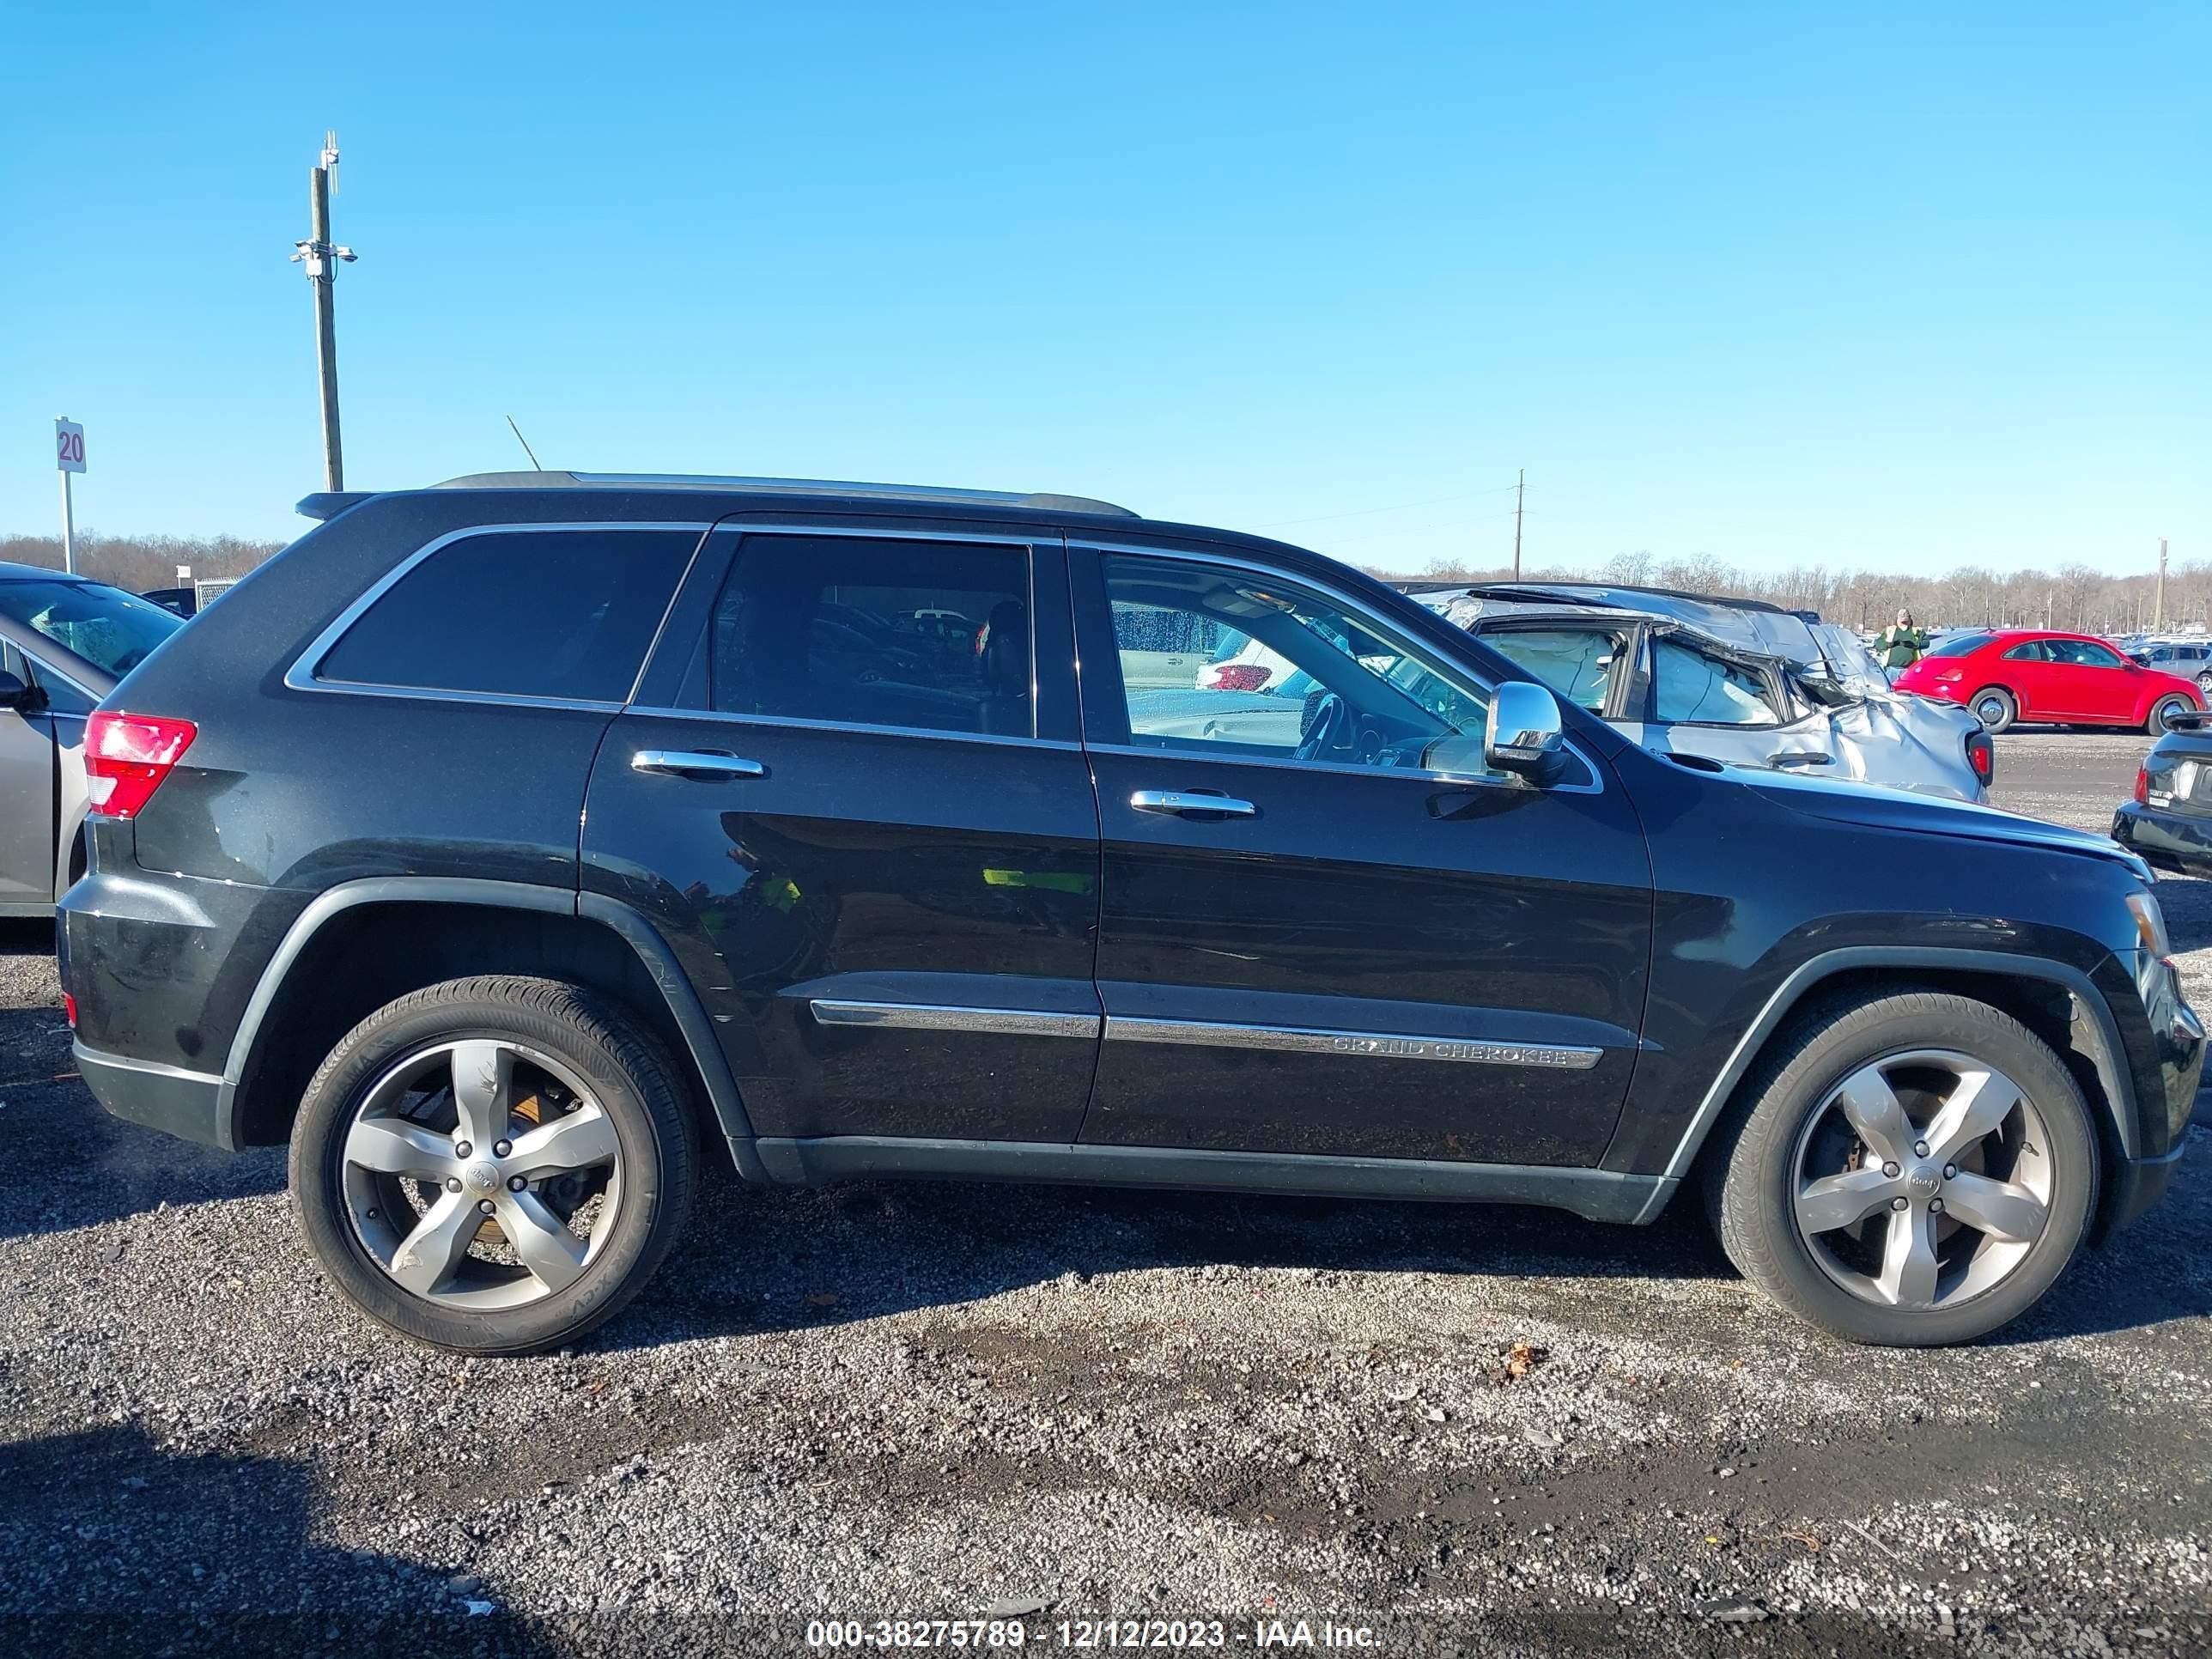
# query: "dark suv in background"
507,845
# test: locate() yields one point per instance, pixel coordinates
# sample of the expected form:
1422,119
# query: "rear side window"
546,613
933,635
2032,651
1959,645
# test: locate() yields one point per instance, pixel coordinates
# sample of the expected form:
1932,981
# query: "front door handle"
694,763
1187,801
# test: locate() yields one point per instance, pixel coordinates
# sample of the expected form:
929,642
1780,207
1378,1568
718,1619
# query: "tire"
1786,1116
623,1168
2204,687
2162,710
1995,708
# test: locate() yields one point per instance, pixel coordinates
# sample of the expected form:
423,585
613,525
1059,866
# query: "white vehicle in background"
1730,680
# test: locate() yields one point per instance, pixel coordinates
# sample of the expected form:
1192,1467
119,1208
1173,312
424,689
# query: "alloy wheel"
1990,710
1923,1180
481,1175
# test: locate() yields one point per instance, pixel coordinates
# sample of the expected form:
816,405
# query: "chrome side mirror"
1523,733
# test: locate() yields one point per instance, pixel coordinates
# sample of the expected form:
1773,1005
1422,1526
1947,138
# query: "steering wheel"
1324,727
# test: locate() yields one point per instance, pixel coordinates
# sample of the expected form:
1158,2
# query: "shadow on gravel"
113,1546
91,1168
779,1259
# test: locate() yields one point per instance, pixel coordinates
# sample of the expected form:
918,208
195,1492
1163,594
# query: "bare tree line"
139,564
2074,597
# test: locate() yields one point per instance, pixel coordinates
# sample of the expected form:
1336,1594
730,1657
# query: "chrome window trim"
302,675
1240,758
1391,628
1365,1045
44,667
778,722
939,1017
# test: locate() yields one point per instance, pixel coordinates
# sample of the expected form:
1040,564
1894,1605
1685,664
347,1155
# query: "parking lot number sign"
68,445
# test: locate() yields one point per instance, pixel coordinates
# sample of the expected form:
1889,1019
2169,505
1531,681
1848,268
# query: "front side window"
1338,689
1576,663
107,627
931,636
566,614
2084,653
1696,688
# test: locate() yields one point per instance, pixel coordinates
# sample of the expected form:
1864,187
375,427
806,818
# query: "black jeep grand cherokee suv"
500,845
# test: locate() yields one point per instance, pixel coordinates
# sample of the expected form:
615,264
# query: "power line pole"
2158,616
1520,486
321,256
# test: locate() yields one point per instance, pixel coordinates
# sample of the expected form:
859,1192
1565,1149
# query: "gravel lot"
945,1402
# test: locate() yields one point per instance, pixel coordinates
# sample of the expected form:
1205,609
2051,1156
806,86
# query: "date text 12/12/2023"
1096,1633
1100,1634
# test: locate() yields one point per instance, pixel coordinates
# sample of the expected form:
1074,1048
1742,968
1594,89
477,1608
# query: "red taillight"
1241,676
1982,756
2142,785
68,1008
126,757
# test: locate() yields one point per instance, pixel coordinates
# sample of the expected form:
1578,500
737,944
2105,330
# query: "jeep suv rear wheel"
493,1166
1912,1171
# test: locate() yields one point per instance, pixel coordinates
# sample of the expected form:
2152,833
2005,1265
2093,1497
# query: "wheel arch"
2056,1000
386,936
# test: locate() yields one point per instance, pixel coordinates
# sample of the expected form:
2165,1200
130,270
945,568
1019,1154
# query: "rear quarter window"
544,613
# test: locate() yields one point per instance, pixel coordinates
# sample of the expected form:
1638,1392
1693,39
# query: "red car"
2058,679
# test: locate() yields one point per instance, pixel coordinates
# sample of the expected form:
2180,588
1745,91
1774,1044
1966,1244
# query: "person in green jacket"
1901,645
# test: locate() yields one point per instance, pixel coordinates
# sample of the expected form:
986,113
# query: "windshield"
1960,645
104,625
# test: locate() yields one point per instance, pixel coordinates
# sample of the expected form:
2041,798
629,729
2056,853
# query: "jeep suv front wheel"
493,1166
1910,1171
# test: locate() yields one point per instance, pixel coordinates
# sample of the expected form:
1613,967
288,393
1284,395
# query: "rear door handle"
1185,802
694,763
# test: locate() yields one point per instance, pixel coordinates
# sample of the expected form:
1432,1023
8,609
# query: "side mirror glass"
1523,735
14,694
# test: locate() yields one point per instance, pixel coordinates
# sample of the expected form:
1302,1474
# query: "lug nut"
1891,1170
453,1183
1935,1207
486,1205
1950,1172
1920,1149
502,1148
1898,1204
516,1184
462,1149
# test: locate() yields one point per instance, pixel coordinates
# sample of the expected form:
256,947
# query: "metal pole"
2158,616
69,528
1520,486
322,275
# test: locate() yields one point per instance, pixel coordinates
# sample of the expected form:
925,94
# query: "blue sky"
1890,286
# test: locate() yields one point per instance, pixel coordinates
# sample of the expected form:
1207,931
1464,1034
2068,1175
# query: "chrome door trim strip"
937,1017
1371,1045
301,675
1232,756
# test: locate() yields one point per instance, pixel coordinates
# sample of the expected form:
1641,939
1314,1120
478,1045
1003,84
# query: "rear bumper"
2170,841
177,1102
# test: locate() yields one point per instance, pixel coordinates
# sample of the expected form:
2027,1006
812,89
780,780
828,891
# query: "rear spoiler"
2192,719
327,504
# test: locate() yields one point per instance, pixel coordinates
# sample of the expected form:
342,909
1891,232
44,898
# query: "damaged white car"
1731,680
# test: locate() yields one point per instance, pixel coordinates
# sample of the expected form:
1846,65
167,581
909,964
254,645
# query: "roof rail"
784,487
